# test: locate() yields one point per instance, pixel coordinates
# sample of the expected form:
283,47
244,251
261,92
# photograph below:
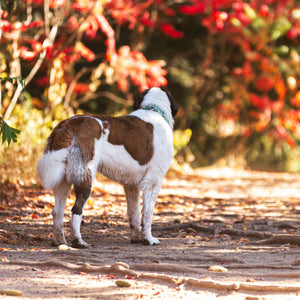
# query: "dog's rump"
86,143
69,138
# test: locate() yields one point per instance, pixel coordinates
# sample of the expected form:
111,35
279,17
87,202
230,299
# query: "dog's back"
121,148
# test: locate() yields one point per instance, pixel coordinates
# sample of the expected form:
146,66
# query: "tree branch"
72,86
47,42
111,96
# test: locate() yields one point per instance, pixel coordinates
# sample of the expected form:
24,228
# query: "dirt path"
224,234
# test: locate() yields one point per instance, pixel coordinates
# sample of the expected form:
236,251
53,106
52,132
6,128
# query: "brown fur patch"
132,132
135,134
83,128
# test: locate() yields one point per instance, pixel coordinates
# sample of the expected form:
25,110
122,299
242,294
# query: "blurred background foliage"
233,67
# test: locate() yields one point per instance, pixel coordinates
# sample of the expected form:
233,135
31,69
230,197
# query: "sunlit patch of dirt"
224,233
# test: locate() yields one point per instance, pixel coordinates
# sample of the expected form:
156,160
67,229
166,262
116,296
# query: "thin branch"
29,12
47,42
111,96
46,17
72,86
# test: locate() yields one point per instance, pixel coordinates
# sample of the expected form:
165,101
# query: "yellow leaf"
11,292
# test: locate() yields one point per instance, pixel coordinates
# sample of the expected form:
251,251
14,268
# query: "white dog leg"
82,191
149,198
61,193
134,211
77,241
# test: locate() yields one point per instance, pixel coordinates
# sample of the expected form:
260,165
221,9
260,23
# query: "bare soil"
224,234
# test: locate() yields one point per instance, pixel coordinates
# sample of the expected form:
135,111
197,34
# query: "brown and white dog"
135,150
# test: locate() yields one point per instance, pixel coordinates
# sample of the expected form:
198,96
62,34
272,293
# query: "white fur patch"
75,223
51,168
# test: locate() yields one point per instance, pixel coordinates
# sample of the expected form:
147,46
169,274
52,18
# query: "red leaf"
3,14
27,54
192,9
5,25
83,273
84,51
81,88
170,30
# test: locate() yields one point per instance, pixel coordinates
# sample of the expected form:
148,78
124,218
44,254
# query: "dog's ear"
138,102
174,106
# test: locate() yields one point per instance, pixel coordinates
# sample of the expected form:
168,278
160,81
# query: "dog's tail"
52,168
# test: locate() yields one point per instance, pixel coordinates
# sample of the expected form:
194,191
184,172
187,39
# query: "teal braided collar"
157,109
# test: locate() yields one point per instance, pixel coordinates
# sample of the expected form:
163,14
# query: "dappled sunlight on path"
224,233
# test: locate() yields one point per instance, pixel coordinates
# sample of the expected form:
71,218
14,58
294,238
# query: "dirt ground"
225,234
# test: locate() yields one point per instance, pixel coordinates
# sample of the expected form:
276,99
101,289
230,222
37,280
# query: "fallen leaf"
83,273
123,283
4,259
11,292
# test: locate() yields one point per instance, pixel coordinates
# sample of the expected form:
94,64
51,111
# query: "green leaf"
281,26
11,80
250,12
22,82
8,133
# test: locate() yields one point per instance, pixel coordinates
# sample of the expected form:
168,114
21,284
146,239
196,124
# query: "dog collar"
156,109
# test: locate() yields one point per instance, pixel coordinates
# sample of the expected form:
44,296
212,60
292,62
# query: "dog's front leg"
150,193
61,193
133,210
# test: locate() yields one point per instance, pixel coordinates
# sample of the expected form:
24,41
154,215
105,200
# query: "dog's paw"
136,240
58,241
136,237
80,244
151,241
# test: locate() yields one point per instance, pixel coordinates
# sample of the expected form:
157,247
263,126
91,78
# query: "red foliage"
109,32
26,54
81,88
85,52
192,9
257,79
36,23
294,32
5,25
129,11
170,30
91,20
258,31
52,3
143,73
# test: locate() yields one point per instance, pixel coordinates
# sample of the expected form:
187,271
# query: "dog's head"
160,97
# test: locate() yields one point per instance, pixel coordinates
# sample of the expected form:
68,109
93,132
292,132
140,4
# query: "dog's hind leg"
61,193
134,212
82,191
150,192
